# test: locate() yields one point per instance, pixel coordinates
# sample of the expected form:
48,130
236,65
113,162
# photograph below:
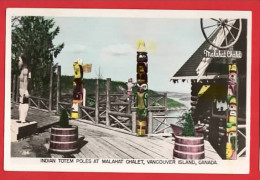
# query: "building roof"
190,66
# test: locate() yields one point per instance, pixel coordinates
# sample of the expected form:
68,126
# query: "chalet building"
209,92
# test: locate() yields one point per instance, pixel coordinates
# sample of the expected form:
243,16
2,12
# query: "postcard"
147,91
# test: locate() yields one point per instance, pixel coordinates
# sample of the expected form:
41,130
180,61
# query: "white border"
240,166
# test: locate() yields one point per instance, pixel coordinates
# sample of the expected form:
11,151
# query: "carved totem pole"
231,126
78,88
141,96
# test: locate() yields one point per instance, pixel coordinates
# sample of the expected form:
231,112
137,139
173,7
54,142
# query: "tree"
33,36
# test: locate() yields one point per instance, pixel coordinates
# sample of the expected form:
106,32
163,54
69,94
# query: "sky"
109,44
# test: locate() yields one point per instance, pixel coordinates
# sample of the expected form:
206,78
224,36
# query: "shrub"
64,120
188,125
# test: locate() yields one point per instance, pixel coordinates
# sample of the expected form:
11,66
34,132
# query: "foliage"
188,125
33,36
64,120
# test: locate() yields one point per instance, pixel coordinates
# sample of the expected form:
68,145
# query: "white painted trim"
194,145
202,152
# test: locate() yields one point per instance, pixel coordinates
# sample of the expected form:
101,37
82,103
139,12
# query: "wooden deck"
42,117
98,142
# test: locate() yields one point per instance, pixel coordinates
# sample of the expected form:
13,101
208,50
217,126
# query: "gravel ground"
32,146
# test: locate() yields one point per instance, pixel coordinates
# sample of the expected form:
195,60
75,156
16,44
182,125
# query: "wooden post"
129,105
58,89
108,84
150,123
80,111
97,102
165,101
39,103
29,101
134,122
50,87
13,90
84,97
17,89
166,106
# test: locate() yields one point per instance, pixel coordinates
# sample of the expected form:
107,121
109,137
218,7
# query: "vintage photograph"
128,91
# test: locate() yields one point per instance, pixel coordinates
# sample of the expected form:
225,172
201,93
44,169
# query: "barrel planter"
64,140
187,147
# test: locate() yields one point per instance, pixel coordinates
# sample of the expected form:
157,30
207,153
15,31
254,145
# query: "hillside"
90,84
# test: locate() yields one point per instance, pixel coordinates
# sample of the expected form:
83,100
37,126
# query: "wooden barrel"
189,147
64,140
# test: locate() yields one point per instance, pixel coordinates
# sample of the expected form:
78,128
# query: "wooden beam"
97,102
58,89
165,101
44,105
33,102
108,84
120,123
17,89
13,90
86,113
120,114
150,123
88,108
50,88
134,122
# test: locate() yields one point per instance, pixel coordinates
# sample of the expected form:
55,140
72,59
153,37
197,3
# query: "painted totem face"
229,150
232,78
233,107
142,88
233,113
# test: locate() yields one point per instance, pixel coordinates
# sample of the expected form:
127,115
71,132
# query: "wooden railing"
157,100
40,103
64,105
159,125
106,117
87,113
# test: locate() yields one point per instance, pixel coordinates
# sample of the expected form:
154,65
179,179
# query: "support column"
97,102
150,124
17,97
50,87
108,84
14,88
58,88
134,122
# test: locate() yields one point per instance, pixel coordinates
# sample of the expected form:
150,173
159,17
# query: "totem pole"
141,96
231,126
78,88
23,88
130,86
